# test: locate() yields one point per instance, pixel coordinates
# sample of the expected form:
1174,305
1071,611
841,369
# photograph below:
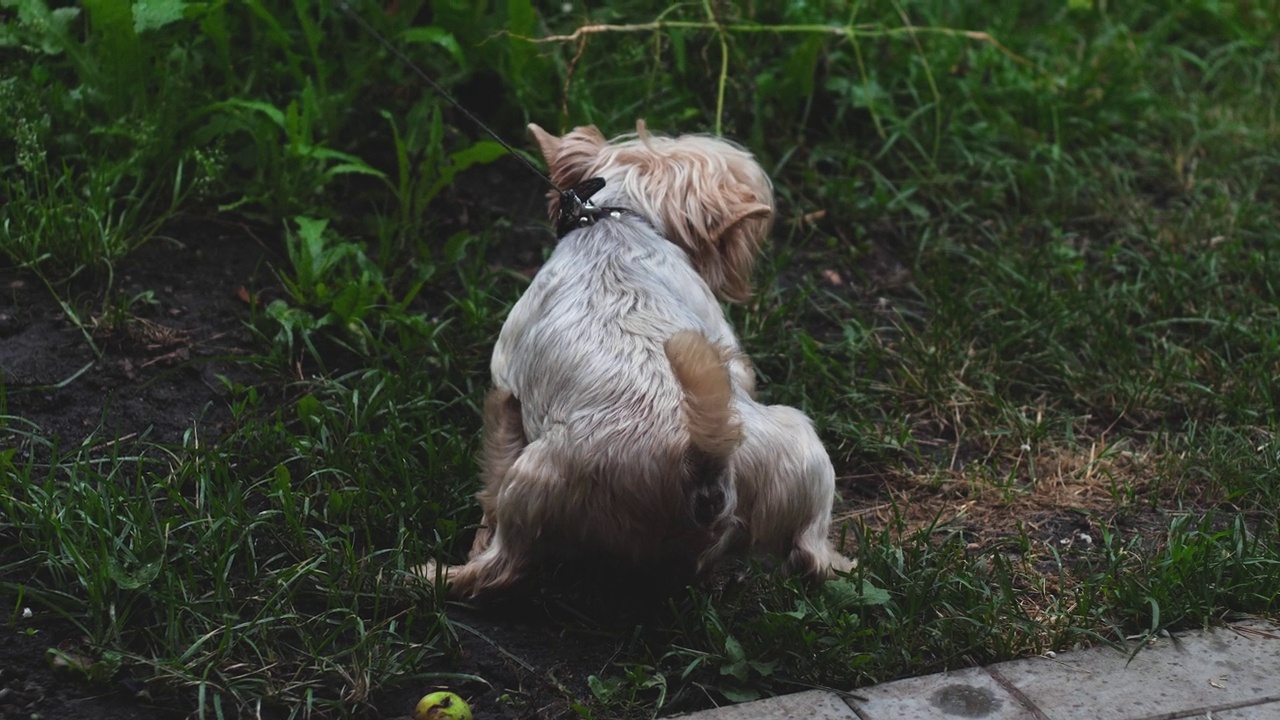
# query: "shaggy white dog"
622,421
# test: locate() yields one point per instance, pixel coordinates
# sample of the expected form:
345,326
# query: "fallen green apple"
442,706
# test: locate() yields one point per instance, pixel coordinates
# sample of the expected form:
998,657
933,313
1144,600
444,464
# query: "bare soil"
157,375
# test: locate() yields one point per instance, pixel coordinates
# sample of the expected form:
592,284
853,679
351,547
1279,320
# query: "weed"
80,193
424,170
291,167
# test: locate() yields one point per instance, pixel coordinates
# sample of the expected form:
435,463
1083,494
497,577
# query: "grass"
1026,289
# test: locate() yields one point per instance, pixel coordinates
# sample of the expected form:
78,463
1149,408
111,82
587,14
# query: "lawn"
1025,278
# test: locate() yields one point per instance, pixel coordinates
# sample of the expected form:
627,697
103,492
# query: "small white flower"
26,613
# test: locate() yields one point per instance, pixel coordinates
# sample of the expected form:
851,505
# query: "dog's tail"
714,430
708,393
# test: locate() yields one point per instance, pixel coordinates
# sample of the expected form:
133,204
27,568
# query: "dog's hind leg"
812,554
786,487
528,501
504,440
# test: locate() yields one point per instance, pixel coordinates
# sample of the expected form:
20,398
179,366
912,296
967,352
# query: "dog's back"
583,348
611,353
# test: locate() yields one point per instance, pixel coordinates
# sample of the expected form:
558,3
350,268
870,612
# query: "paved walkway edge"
1226,673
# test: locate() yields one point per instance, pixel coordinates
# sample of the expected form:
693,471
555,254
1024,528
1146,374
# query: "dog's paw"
843,565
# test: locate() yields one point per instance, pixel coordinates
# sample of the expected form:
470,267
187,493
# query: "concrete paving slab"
1171,678
970,693
809,705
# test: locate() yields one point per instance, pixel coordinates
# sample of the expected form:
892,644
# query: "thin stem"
724,67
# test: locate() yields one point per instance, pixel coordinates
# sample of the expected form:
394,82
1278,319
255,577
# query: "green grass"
1056,260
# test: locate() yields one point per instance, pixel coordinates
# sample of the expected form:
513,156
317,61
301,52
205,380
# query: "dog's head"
707,195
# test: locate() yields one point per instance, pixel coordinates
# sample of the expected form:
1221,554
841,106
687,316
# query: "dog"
622,422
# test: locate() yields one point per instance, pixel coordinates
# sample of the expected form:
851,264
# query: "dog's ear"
738,239
569,157
548,143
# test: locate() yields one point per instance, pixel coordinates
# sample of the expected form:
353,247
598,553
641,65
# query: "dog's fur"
622,420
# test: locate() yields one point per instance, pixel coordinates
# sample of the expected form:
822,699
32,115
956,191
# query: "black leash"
576,209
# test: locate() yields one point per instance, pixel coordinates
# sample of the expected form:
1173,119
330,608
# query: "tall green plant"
98,162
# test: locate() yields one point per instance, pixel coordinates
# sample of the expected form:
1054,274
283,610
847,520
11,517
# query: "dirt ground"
159,368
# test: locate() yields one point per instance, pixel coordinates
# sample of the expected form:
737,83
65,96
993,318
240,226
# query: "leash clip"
576,208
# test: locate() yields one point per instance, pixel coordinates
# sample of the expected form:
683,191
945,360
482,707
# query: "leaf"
844,593
872,595
677,40
349,163
800,67
736,664
483,151
106,667
119,50
739,695
271,111
602,689
309,410
144,575
49,25
522,59
455,248
69,660
432,35
350,304
353,168
155,14
309,260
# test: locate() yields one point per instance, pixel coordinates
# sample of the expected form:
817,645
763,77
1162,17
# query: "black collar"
577,210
